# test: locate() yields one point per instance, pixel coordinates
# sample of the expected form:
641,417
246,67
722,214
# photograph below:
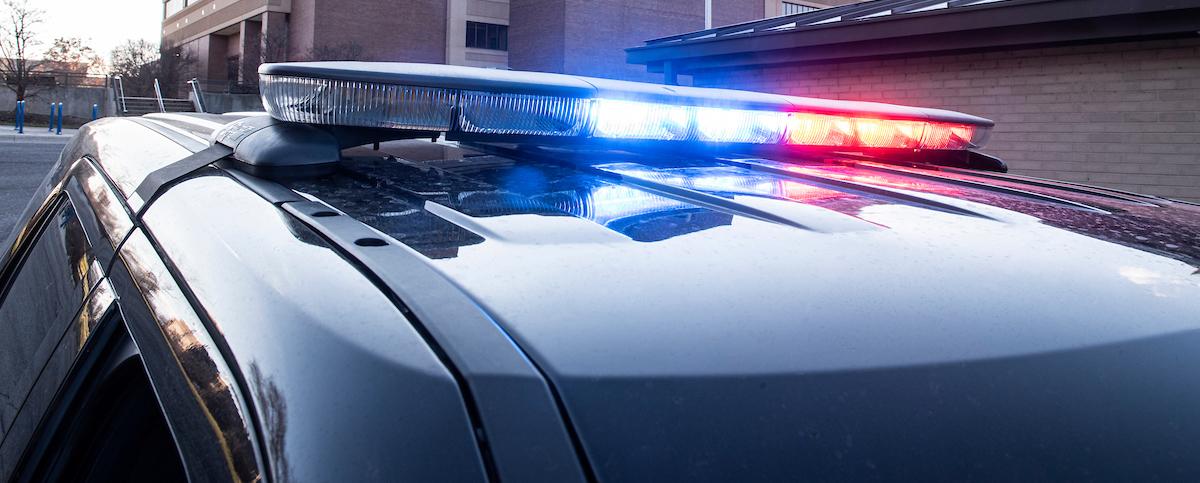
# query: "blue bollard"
95,111
50,127
21,117
60,116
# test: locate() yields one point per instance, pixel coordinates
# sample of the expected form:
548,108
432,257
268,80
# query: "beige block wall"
1124,115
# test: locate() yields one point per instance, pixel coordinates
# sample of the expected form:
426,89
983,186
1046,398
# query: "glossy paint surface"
126,163
711,318
706,317
343,387
209,378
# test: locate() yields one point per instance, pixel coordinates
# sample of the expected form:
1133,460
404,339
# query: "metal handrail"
158,94
198,99
120,86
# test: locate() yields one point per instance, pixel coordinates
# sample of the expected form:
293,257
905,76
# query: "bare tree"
18,39
136,62
140,62
73,62
70,53
175,67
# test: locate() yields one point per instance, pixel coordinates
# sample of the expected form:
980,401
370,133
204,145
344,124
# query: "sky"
102,24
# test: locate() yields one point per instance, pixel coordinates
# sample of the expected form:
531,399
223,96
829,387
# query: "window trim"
19,253
202,449
109,348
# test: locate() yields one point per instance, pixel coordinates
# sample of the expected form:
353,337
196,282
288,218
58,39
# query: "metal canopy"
896,27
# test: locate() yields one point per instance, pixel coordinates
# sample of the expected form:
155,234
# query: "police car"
438,274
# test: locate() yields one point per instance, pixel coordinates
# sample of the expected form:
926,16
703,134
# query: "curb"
27,139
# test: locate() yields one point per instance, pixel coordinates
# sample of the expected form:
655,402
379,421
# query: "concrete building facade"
228,39
1103,92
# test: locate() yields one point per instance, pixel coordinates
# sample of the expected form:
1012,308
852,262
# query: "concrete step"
178,105
140,106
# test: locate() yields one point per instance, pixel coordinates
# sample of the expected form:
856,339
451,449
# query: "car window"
39,299
119,434
106,423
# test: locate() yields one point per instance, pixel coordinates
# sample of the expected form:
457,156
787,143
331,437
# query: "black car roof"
473,211
626,272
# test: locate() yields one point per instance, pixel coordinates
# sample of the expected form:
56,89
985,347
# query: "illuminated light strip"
820,130
885,133
807,129
641,120
740,126
949,136
496,114
624,119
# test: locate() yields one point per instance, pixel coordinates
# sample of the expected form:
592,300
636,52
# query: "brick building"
585,37
228,39
1103,92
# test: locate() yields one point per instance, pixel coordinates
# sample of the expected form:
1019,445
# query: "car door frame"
212,429
51,363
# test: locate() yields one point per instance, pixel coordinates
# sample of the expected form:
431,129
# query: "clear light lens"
947,136
843,131
483,112
820,130
739,126
345,103
640,120
888,133
980,136
643,120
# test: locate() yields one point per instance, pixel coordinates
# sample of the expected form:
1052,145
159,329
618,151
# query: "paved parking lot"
24,162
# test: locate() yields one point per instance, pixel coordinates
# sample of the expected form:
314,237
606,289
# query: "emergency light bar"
487,104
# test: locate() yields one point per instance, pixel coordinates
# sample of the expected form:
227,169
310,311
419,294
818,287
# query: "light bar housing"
469,103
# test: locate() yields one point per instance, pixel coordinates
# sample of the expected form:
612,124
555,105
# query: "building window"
487,36
172,7
790,8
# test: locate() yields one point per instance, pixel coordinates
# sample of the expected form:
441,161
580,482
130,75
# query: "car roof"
538,234
735,280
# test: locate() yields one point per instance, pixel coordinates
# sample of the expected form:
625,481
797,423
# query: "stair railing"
158,95
197,97
119,86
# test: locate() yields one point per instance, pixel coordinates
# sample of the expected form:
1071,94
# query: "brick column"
274,45
212,56
251,52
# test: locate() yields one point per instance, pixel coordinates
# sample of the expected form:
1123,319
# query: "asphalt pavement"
25,160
